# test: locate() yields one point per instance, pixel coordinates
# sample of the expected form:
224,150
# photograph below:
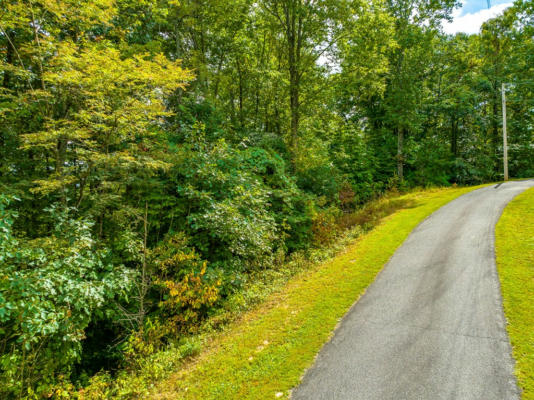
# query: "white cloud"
471,23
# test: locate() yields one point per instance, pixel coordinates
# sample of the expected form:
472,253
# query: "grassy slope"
264,354
515,262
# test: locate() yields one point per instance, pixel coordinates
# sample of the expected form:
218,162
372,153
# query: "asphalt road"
431,326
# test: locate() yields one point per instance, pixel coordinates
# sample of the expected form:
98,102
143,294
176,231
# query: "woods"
156,154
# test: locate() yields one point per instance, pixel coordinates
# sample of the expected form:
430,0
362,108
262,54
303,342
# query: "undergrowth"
259,289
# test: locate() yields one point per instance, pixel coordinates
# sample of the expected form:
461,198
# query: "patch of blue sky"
473,14
473,6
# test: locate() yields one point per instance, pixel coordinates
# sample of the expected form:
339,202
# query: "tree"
306,30
415,24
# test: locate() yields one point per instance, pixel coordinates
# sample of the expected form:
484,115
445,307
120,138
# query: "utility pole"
504,134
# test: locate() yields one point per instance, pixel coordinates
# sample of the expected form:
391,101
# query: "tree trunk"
295,111
294,41
10,52
400,154
217,77
240,74
144,285
495,139
454,136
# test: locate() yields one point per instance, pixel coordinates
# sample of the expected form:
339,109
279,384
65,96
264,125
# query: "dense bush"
238,203
50,291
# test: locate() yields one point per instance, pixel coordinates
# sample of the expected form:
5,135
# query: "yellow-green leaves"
82,13
107,108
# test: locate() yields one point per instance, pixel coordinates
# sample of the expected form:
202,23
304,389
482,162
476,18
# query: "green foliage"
187,146
238,203
50,290
231,215
186,290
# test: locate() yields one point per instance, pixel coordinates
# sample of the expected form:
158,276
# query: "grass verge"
515,263
264,354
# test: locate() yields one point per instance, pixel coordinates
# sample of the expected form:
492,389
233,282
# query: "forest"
157,155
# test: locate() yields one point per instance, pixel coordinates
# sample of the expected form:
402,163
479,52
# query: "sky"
473,13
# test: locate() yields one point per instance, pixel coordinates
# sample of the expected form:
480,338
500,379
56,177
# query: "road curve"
431,326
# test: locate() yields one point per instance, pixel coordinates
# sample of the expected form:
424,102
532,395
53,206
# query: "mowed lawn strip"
265,354
515,263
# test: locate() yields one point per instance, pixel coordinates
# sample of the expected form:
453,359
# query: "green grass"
515,262
264,354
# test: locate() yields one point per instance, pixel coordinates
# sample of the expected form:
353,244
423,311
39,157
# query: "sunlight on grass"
264,354
515,262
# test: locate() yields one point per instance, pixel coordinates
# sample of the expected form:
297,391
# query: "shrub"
236,203
50,290
325,225
185,289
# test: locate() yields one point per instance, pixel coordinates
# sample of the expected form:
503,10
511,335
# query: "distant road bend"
431,326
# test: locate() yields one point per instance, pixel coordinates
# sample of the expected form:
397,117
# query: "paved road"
431,326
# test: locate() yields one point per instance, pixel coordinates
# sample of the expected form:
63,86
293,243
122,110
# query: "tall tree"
306,30
415,24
